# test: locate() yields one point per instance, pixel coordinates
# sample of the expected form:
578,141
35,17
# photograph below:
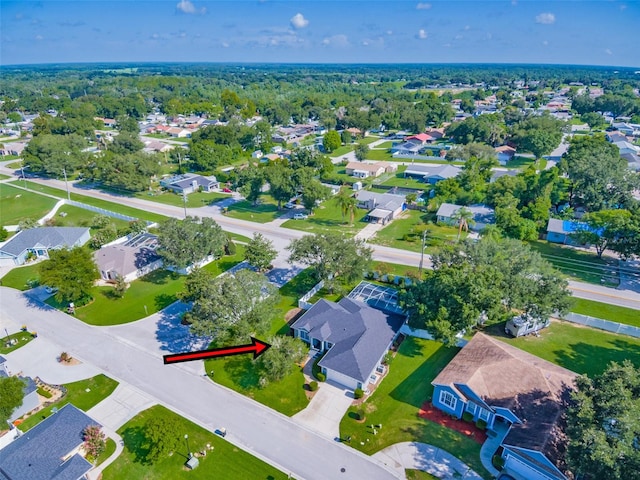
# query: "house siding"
557,237
459,406
342,379
520,469
29,402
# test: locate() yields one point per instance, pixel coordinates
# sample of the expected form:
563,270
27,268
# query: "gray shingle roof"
43,237
38,453
360,334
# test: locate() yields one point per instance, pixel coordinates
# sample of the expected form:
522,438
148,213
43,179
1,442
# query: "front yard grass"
341,150
375,154
583,350
614,313
99,388
396,402
22,278
224,461
22,337
17,204
418,475
327,218
266,211
194,200
579,264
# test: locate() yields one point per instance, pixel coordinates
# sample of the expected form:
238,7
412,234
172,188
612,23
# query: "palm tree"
346,202
464,217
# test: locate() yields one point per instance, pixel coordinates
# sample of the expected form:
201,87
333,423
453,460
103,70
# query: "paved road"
282,236
259,430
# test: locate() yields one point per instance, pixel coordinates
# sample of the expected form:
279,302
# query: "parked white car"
300,216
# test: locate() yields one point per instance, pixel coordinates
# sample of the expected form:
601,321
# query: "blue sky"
602,32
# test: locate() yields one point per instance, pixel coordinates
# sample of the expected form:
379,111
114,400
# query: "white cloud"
546,18
423,6
608,51
422,34
458,37
467,27
298,21
389,32
185,6
39,37
225,44
339,40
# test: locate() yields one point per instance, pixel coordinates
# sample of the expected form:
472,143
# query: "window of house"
304,335
484,414
448,399
471,407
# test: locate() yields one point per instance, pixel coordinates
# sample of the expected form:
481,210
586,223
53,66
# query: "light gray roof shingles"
43,237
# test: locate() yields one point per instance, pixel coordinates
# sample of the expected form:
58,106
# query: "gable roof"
532,388
186,180
125,258
360,334
38,454
43,237
385,201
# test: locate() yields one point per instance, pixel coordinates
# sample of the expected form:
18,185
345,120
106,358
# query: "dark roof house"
354,336
49,451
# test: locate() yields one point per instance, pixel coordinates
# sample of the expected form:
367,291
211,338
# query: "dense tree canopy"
539,135
604,425
11,396
259,252
494,278
185,242
51,154
71,271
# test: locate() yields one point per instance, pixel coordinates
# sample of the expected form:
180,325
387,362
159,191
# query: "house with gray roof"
383,207
50,450
130,260
189,183
353,336
482,215
38,241
432,173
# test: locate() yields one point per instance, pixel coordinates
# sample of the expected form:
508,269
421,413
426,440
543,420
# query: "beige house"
365,170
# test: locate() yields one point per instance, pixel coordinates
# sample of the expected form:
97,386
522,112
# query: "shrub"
360,415
230,248
387,359
391,278
321,376
497,461
481,424
358,393
313,386
65,357
467,417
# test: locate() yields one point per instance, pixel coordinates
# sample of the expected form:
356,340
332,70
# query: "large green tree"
51,154
491,278
185,242
331,141
608,230
313,192
279,360
332,256
71,271
259,252
161,437
538,134
230,308
11,396
604,425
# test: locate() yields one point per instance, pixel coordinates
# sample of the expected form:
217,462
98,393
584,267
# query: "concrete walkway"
326,409
490,446
420,456
96,473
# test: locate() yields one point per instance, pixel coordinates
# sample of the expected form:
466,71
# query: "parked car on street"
300,216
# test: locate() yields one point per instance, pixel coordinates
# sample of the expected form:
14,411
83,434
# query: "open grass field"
328,218
225,461
579,264
583,350
21,278
396,402
194,200
628,316
17,204
80,217
377,154
266,211
96,202
341,150
100,387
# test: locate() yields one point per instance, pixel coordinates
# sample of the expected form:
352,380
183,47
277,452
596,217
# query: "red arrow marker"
256,347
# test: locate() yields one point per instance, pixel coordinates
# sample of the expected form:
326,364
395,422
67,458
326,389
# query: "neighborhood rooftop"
42,237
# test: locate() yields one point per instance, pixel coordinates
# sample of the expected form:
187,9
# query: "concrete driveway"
121,406
39,358
326,409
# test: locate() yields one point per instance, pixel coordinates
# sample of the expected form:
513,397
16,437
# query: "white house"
130,260
189,183
482,215
38,242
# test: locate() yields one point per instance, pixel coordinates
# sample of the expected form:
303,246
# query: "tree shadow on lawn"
163,300
135,442
244,372
160,277
584,358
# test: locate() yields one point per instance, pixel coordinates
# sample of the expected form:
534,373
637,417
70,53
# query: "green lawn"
379,155
419,475
22,278
394,269
110,448
628,316
17,204
400,233
396,402
194,200
384,145
4,177
22,337
579,264
367,140
519,162
99,388
266,211
96,202
327,218
583,350
341,150
398,180
80,217
225,461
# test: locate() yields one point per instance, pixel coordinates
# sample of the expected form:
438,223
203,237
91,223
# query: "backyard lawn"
22,337
376,154
266,211
327,218
80,217
17,204
628,316
84,394
22,278
400,233
396,402
224,461
583,350
579,264
399,180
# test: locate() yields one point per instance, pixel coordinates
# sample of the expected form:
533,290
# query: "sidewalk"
420,456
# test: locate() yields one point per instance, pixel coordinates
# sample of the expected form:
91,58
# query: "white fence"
304,300
607,325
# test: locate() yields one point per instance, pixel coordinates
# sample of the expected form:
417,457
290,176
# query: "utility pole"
424,239
184,201
64,172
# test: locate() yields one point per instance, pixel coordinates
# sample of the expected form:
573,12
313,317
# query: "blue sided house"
49,451
521,398
561,231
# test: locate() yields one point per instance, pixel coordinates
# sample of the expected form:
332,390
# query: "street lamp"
424,239
64,172
186,439
184,201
